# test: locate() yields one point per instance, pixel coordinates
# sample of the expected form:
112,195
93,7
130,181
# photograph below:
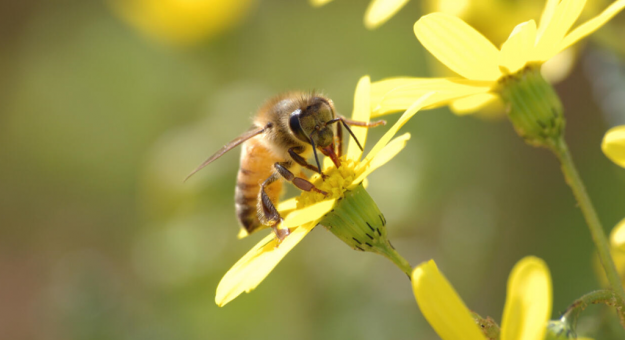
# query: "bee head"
312,123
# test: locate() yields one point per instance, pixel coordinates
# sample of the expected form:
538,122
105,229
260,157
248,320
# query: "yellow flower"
525,316
617,245
613,145
305,212
481,65
181,22
378,12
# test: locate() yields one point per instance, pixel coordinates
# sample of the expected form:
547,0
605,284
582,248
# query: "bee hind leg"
267,212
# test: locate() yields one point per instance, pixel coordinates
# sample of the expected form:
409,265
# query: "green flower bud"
533,106
358,222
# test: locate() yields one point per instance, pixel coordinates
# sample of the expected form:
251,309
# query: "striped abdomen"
256,166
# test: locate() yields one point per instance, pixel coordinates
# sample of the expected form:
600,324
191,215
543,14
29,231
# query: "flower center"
335,184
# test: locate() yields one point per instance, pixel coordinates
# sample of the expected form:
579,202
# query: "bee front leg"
300,183
295,154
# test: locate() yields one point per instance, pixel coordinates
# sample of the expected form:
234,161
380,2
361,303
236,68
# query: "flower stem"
390,253
607,297
596,230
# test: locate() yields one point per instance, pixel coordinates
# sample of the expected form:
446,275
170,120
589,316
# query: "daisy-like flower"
613,145
348,211
511,73
181,22
525,316
378,12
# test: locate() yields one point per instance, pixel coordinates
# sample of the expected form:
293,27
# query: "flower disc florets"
336,182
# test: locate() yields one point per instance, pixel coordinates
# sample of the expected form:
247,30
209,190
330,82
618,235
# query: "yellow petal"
459,46
545,18
319,3
386,154
397,94
528,301
441,306
472,103
379,11
517,50
617,236
591,25
613,145
242,233
362,112
308,214
564,16
379,89
287,205
252,268
416,106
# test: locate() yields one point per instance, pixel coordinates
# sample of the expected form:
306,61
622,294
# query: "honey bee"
287,130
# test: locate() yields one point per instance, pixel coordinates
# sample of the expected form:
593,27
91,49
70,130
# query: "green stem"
596,230
401,263
607,297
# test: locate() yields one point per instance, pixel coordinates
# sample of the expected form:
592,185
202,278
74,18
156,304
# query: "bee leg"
363,124
300,183
268,214
294,153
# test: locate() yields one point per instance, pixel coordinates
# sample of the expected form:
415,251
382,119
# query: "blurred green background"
100,122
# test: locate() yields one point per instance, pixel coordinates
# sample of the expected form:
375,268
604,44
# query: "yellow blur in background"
182,22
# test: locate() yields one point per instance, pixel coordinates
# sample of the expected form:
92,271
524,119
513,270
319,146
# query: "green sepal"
533,106
358,222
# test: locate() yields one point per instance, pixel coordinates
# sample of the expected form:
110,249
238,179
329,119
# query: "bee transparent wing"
235,142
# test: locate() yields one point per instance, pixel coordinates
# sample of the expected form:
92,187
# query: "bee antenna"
312,142
351,133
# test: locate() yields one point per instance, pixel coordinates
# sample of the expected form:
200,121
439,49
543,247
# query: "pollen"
335,184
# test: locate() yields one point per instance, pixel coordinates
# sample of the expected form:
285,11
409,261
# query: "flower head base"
533,106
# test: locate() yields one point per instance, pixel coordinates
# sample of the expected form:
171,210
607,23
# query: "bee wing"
235,142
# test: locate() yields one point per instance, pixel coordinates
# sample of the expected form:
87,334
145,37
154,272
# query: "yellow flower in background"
378,12
613,145
526,312
181,22
617,245
346,196
481,65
